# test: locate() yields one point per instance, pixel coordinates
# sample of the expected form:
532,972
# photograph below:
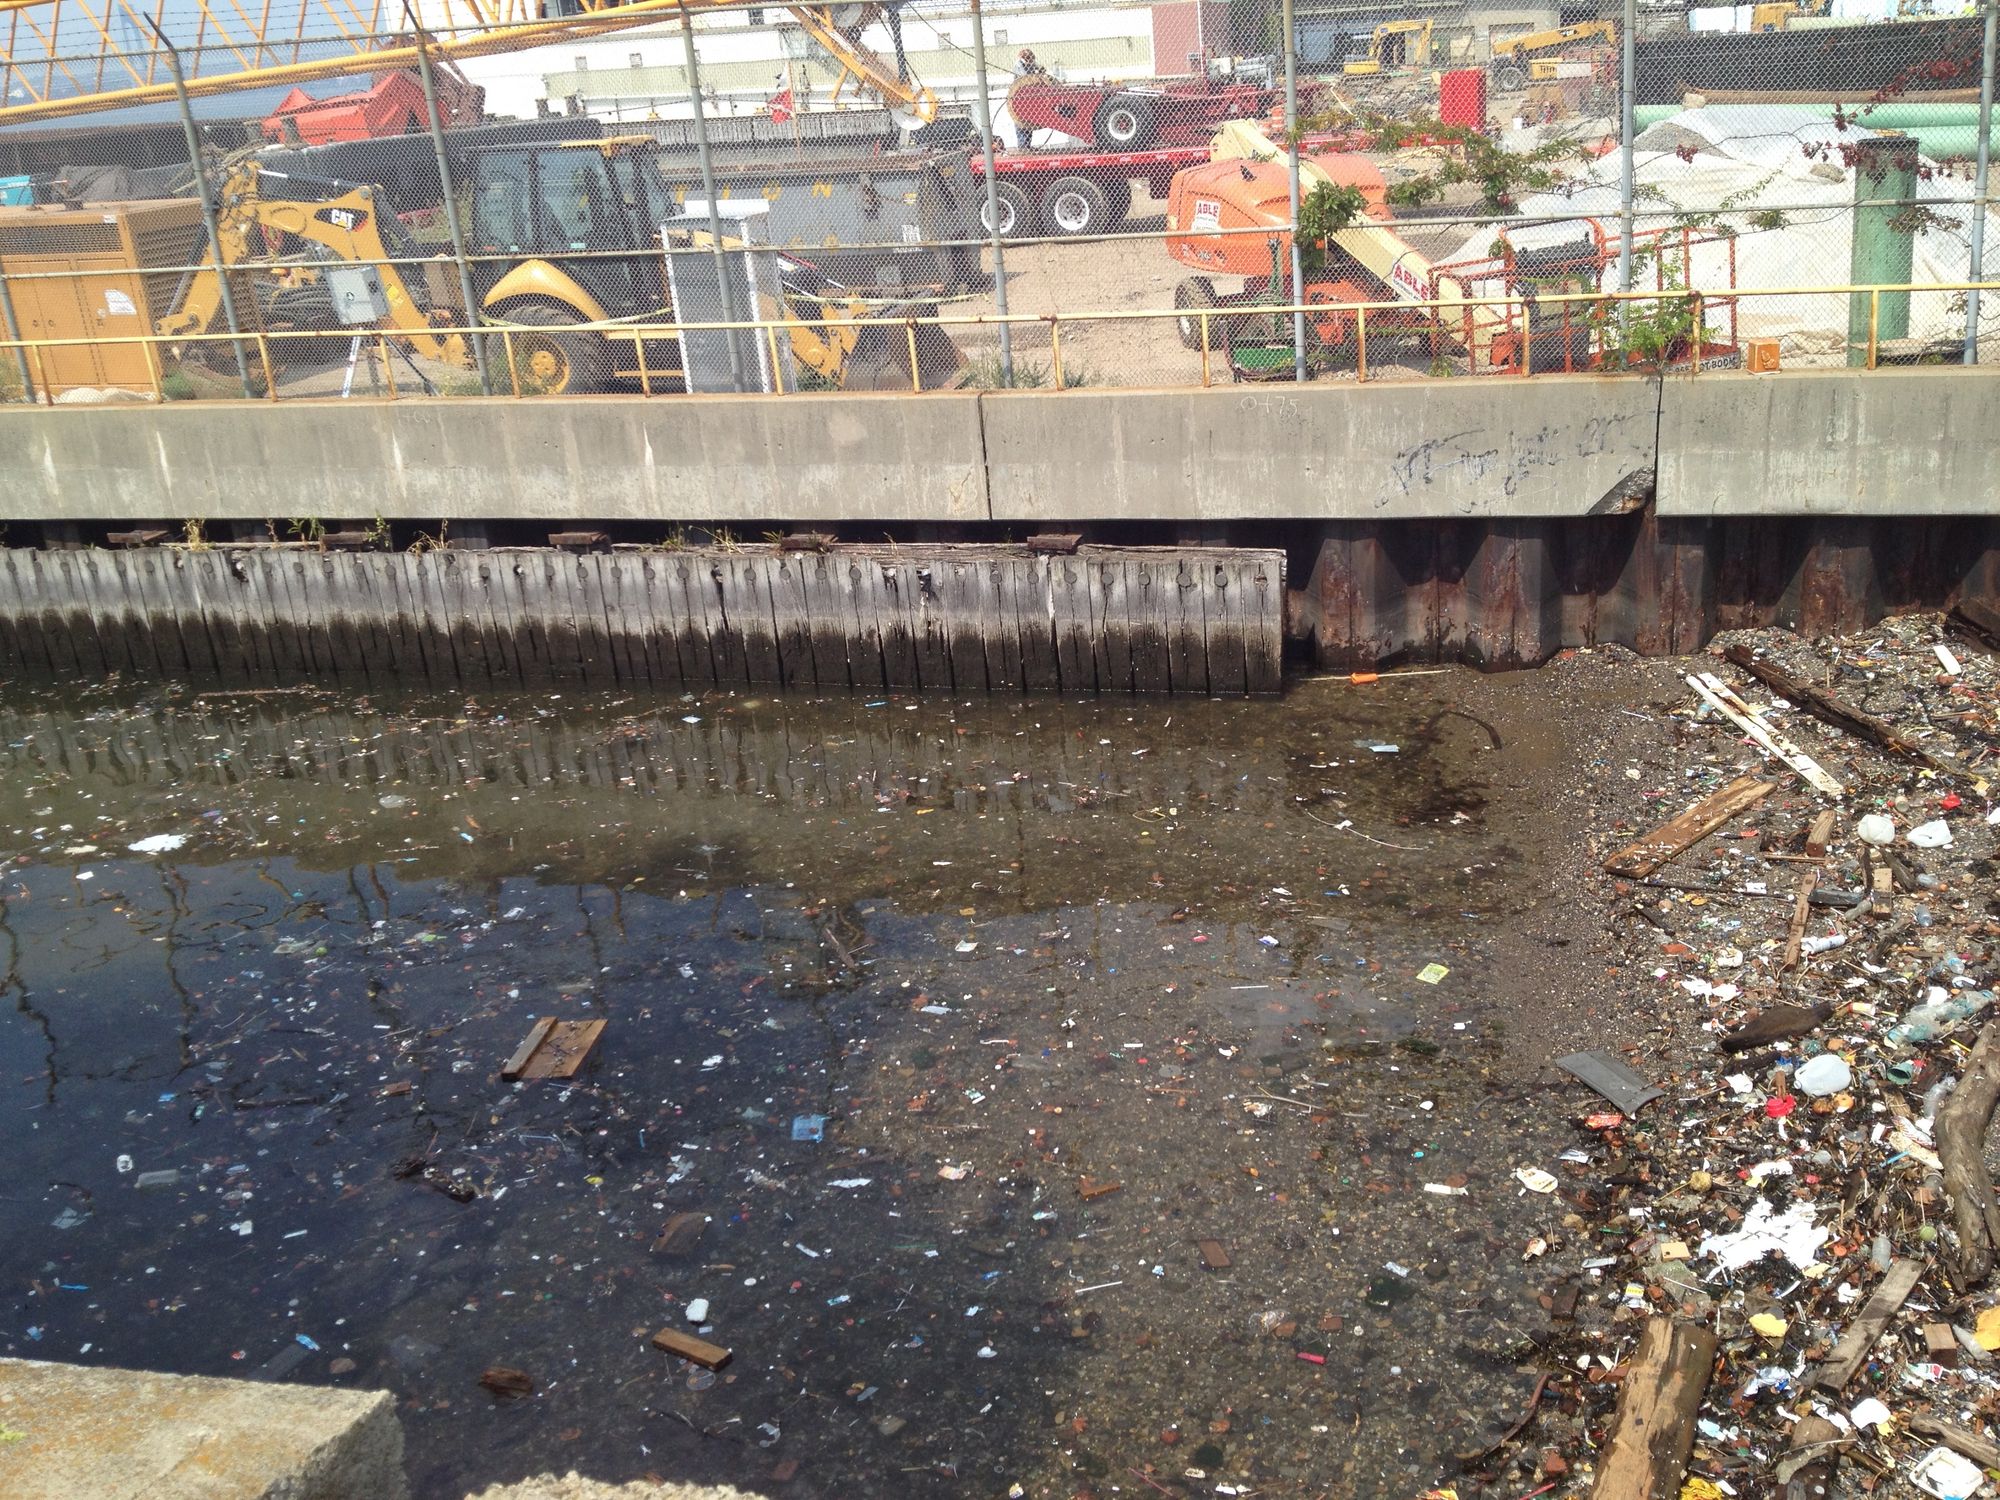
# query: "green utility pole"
1885,241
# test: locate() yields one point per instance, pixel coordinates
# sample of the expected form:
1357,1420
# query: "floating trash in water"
159,843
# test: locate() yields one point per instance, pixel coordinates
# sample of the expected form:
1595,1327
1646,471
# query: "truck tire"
1076,206
1509,76
1190,296
1118,198
1017,216
554,364
1126,122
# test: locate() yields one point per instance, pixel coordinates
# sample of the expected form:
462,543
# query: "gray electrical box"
357,293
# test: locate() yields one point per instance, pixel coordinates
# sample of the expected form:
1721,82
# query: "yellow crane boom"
71,57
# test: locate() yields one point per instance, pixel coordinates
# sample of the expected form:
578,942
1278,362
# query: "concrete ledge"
1488,447
1907,442
1804,443
723,458
82,1433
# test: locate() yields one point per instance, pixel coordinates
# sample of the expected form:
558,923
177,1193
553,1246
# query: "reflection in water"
883,983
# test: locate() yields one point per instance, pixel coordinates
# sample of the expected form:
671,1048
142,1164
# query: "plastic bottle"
1924,1022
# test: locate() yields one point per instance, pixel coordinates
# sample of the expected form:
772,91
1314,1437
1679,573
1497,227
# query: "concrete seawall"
1493,520
1895,442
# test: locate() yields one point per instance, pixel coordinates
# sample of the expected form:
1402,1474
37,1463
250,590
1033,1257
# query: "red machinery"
1133,117
393,105
1441,306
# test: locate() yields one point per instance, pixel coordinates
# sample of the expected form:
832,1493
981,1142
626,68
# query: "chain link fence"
1013,194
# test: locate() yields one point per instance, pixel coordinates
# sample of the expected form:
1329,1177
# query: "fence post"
207,204
982,116
714,209
451,220
1978,265
1628,45
13,327
1292,174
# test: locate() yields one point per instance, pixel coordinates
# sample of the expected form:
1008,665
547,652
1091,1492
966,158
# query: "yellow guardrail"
1506,313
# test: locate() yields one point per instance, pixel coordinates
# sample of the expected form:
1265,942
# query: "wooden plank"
24,608
1070,617
621,590
65,624
892,583
1646,1454
747,606
663,647
342,604
593,631
502,573
374,620
687,1346
1721,697
725,635
824,580
959,591
488,591
860,582
1150,577
1005,655
313,611
791,613
217,594
1795,934
552,653
155,629
685,579
1261,591
1185,623
167,579
1832,710
1645,855
553,1049
1224,627
929,627
97,649
1821,833
271,600
1852,1352
537,1034
1110,620
1031,591
458,617
434,628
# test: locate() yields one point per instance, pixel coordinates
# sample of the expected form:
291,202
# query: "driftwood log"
1962,1122
1841,715
1646,1454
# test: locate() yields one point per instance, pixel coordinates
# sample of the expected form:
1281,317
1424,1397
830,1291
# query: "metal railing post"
982,116
1979,178
714,206
13,327
207,204
1628,46
453,224
1292,173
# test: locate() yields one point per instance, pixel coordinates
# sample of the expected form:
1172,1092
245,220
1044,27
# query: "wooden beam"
1961,1125
687,1346
1646,855
1823,705
1646,1455
1851,1353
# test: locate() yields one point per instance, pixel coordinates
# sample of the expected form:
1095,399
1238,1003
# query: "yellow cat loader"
562,234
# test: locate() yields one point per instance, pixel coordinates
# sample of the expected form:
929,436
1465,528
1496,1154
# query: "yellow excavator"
563,233
1513,58
1395,45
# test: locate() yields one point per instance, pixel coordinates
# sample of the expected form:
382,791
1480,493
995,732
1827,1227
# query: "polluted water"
947,1097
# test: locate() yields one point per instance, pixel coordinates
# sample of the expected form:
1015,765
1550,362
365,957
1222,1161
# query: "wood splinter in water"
553,1049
